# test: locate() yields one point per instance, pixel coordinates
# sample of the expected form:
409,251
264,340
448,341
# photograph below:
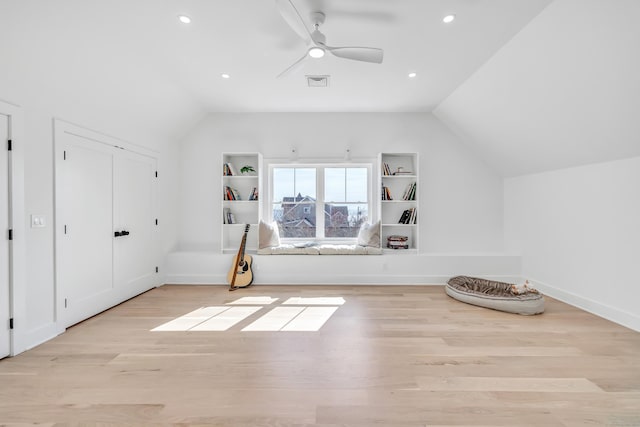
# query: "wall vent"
318,81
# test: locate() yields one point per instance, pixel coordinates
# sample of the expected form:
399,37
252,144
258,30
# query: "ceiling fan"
317,41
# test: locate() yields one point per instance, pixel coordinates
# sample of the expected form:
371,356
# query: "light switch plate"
37,221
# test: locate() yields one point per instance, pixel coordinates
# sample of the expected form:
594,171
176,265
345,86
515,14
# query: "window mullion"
320,203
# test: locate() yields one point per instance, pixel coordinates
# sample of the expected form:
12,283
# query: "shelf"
244,211
395,187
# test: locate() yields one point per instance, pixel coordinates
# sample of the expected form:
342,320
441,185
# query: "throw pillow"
369,235
268,235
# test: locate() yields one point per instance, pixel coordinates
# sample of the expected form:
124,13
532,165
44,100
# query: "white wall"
36,321
50,71
578,231
460,197
563,92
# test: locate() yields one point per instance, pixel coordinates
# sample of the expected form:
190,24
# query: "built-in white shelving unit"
399,199
240,194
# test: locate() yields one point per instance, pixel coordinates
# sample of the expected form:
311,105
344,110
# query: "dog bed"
495,295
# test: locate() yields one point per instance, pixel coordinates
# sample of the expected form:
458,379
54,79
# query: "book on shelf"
254,194
386,170
409,216
231,193
228,217
228,170
386,193
410,192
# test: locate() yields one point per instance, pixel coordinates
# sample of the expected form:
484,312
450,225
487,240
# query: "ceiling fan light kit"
316,52
317,40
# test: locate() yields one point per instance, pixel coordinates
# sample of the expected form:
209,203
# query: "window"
320,201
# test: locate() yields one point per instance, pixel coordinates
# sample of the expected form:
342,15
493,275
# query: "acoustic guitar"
240,275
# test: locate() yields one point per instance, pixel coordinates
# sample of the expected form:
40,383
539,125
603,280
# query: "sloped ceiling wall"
565,91
72,61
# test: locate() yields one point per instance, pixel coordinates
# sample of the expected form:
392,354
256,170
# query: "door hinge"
156,269
11,323
64,155
65,303
10,234
9,145
156,221
156,174
65,229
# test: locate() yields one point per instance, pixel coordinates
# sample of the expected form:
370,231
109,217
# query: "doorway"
106,224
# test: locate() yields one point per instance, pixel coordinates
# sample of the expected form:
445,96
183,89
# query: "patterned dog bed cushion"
494,295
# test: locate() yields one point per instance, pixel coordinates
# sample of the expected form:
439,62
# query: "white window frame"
320,202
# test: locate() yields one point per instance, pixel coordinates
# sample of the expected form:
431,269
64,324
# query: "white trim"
624,318
61,128
319,199
17,282
77,130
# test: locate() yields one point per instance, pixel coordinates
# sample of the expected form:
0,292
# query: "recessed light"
225,75
449,18
412,75
184,19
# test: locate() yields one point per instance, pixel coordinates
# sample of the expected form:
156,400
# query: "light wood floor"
390,356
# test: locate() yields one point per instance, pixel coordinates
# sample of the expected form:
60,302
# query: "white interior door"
5,336
86,228
134,253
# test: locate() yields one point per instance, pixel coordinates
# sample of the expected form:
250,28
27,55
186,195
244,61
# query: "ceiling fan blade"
366,54
294,19
292,67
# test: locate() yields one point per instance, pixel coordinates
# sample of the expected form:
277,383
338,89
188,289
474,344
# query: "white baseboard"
328,279
23,341
621,317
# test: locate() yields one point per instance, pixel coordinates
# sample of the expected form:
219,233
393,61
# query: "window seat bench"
323,249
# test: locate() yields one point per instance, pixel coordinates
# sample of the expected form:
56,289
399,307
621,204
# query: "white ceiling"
564,92
249,40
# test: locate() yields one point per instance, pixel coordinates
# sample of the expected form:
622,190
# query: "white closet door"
86,228
134,253
5,338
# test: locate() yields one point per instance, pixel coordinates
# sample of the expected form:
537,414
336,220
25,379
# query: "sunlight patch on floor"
295,314
253,301
310,320
226,319
189,320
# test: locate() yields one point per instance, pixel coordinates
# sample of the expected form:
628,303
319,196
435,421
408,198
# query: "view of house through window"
323,201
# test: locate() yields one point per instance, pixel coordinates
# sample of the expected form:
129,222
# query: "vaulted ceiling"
509,77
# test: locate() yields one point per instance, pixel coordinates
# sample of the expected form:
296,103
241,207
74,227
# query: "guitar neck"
243,245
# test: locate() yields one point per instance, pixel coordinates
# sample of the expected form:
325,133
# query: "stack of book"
410,192
254,194
231,193
228,170
386,193
386,170
398,242
409,216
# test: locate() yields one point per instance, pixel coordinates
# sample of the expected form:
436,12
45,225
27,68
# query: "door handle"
117,234
125,233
